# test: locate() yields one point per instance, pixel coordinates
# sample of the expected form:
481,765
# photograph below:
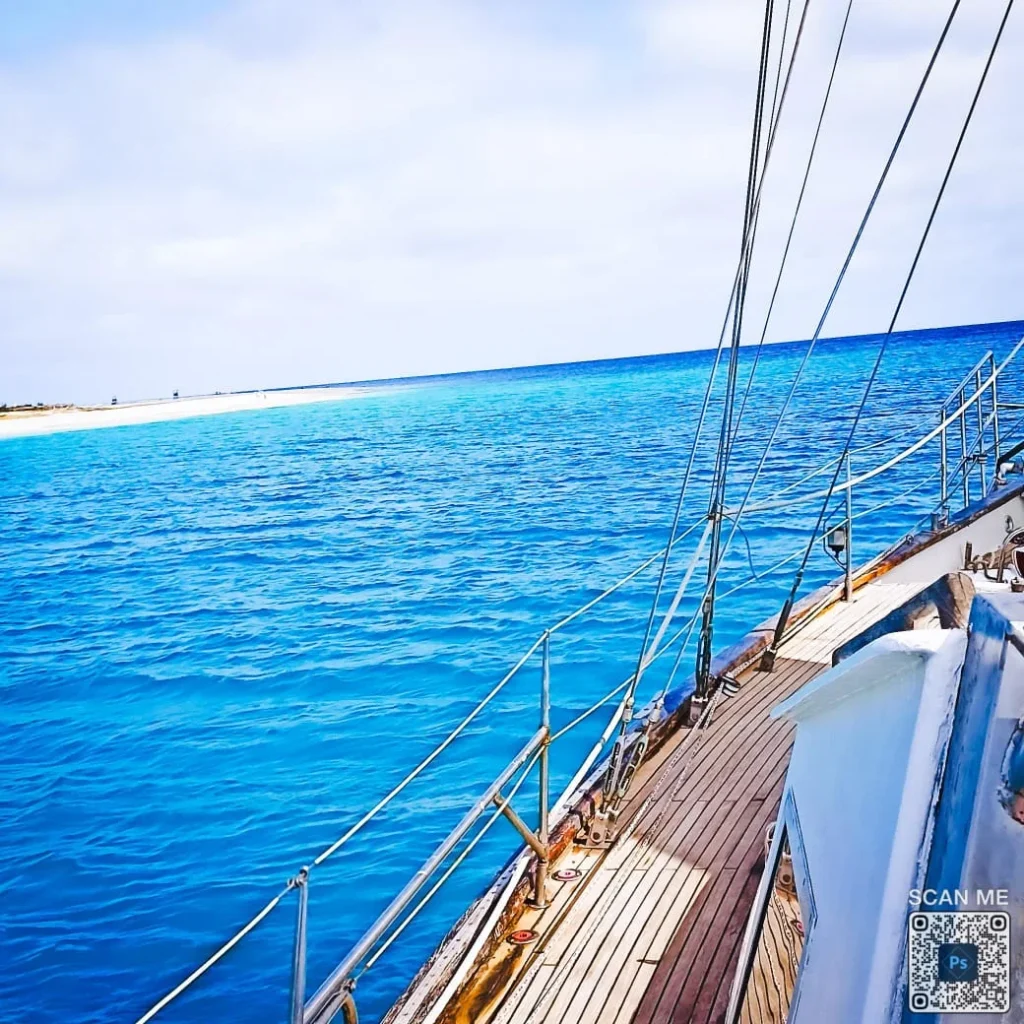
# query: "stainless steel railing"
974,456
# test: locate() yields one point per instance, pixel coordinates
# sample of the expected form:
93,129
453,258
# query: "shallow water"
223,638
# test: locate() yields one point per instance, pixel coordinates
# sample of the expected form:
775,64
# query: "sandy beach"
24,423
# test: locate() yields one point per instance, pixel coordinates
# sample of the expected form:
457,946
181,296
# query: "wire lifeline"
659,652
429,759
613,721
599,744
871,562
963,465
824,468
335,983
756,577
562,623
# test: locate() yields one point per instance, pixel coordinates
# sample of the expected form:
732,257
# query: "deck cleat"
599,833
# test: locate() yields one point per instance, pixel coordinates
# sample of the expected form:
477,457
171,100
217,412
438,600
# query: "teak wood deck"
650,933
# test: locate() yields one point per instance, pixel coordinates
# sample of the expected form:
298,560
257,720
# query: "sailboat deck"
650,933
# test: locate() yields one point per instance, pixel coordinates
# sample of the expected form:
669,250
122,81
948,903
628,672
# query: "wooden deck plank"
706,978
599,953
653,933
684,966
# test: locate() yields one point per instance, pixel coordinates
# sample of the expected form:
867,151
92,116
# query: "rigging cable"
716,505
736,303
768,659
807,355
796,212
773,118
645,658
642,661
849,257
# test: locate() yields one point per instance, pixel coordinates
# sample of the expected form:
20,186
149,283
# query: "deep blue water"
221,639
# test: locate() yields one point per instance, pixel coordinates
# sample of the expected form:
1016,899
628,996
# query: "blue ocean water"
223,638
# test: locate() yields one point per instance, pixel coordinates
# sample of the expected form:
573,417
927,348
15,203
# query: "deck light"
836,538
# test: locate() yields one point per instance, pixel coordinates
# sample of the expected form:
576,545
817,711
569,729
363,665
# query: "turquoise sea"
222,639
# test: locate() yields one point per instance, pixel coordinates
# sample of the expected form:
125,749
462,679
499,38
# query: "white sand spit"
53,421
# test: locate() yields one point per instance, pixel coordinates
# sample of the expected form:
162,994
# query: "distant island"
26,420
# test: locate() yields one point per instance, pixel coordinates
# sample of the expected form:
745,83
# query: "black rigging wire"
716,505
773,118
777,112
798,579
796,211
736,297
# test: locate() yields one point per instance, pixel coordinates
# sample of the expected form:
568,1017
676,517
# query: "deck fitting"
567,875
599,834
694,709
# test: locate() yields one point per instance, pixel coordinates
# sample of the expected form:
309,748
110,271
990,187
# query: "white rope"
896,459
625,579
335,846
226,948
825,467
680,592
594,707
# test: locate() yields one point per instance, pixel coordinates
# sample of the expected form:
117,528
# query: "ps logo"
958,961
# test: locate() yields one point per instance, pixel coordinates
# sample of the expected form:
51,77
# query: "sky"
212,195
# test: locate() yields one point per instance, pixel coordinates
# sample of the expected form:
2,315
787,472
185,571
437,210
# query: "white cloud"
310,192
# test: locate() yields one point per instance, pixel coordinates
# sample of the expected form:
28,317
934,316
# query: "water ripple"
223,638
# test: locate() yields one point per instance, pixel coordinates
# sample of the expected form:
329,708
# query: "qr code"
959,962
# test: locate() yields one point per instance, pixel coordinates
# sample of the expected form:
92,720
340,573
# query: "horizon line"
446,375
